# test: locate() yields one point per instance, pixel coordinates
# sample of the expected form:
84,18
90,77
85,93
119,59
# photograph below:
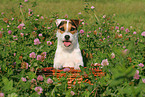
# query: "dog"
68,53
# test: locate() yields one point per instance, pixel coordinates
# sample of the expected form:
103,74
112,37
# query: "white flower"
105,62
112,55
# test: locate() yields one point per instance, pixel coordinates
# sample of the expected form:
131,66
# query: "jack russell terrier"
68,53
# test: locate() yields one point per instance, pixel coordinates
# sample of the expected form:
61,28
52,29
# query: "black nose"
67,37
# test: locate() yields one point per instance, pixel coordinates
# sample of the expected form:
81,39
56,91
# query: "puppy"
68,53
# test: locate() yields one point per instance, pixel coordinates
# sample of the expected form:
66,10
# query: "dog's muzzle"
67,43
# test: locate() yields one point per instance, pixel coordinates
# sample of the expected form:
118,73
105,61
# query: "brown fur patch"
63,27
75,22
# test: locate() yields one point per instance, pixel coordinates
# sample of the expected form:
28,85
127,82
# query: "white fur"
67,56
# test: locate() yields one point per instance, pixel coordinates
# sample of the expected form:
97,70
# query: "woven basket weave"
73,76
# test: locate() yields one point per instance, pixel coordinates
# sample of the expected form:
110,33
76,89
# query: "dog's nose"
67,37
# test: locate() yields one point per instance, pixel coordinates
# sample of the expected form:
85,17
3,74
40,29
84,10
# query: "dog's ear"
58,21
76,22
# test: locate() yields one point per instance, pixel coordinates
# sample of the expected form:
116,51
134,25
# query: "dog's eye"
62,28
72,29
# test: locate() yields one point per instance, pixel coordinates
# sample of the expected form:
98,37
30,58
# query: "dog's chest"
68,56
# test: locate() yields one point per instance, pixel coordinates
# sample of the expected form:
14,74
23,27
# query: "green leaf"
8,85
12,95
31,75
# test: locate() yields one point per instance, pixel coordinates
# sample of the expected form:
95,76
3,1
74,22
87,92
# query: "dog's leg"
78,64
57,61
57,66
78,60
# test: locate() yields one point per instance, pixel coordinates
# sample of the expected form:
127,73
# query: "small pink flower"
66,69
39,57
23,79
30,10
112,55
21,26
14,54
24,65
124,46
40,78
15,37
21,6
25,0
30,13
79,13
104,16
134,32
141,65
136,76
38,90
43,56
66,16
105,62
122,28
92,7
10,32
81,31
49,81
40,34
32,55
41,17
36,41
33,81
127,30
12,19
49,43
83,23
143,33
48,27
88,35
2,95
22,34
143,80
124,52
120,36
137,71
117,28
72,93
2,13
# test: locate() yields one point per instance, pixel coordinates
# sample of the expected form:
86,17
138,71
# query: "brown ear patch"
62,23
75,22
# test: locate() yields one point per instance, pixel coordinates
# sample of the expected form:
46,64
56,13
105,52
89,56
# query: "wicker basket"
73,76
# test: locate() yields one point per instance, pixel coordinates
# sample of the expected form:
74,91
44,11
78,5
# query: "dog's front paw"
78,66
58,66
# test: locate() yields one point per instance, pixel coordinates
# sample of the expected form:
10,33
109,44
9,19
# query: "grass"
128,12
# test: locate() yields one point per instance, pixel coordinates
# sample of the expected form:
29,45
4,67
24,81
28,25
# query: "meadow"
111,33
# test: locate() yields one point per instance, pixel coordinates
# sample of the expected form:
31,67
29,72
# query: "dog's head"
67,32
